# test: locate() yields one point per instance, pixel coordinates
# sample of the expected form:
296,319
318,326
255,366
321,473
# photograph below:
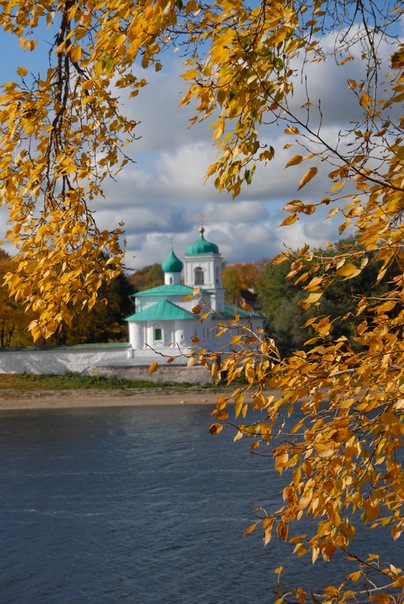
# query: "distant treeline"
261,284
278,297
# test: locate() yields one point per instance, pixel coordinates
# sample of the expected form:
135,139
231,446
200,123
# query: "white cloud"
235,212
162,194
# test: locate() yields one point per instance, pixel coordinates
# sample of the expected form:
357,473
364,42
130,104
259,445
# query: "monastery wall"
108,362
173,374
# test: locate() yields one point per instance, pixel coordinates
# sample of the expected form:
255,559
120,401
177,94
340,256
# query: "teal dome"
172,264
202,246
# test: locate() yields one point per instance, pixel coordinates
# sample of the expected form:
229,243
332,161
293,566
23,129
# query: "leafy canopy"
62,133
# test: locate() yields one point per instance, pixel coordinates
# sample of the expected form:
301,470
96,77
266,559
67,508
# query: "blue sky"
161,196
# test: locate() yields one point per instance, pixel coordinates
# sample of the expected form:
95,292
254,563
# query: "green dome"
172,264
202,246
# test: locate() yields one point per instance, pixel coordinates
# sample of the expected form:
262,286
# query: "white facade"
164,322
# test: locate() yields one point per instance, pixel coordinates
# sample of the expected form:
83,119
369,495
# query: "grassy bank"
72,381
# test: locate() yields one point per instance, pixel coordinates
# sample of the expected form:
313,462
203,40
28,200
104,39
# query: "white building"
163,322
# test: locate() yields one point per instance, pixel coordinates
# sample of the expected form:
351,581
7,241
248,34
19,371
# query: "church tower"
203,268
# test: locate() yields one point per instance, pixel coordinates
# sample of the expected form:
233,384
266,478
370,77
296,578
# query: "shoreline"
11,399
14,399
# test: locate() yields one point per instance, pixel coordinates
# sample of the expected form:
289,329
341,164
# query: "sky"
161,196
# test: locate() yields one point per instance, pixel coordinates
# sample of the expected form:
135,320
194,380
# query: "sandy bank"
60,399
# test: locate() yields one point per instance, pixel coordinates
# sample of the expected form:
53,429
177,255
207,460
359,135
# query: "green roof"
162,311
202,246
172,264
165,290
229,310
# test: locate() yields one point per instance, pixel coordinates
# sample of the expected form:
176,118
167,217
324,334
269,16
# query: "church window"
199,276
158,334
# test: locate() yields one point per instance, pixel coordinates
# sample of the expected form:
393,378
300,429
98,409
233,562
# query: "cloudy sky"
160,196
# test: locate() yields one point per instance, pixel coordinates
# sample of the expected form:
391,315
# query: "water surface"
138,505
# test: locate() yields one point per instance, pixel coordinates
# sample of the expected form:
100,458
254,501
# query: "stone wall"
58,361
166,373
108,362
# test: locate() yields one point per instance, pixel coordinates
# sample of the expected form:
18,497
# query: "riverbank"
70,391
76,398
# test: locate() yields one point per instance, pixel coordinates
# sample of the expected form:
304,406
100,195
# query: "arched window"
199,276
158,334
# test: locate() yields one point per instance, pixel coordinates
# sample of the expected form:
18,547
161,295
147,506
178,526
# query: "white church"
163,322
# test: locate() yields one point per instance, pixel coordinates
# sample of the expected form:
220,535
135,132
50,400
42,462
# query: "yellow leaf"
314,297
332,591
215,428
331,214
153,367
325,453
386,306
239,403
289,220
348,271
279,259
311,172
218,129
291,130
347,59
314,283
282,530
294,206
294,161
337,186
365,100
250,529
381,599
75,53
191,74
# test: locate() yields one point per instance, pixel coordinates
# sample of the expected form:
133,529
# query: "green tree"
147,277
289,323
279,298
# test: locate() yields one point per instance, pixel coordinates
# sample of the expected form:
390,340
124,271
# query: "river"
137,505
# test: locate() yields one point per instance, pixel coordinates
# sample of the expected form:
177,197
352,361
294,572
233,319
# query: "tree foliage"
280,296
147,277
13,320
238,278
103,323
63,133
